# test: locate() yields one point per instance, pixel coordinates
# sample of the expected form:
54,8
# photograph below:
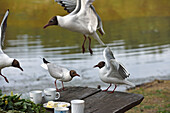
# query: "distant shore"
156,97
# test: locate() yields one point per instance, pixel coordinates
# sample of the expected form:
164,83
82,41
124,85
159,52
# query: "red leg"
108,87
113,89
83,49
91,52
56,86
63,86
5,78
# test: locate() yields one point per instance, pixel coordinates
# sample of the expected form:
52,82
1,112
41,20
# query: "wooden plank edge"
131,105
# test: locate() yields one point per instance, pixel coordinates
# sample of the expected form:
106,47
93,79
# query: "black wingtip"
45,61
63,5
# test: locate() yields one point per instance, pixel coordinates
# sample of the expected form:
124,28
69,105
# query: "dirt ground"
156,97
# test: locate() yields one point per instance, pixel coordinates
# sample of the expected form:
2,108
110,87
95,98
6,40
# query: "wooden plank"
97,101
77,93
118,102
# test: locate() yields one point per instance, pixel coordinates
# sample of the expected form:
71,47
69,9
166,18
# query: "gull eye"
73,73
51,20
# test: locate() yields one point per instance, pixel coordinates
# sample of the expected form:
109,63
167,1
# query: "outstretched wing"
122,71
108,55
100,25
3,28
119,68
69,5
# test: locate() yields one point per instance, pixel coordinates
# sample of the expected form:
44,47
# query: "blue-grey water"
142,44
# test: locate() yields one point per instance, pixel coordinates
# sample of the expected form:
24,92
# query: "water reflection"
142,44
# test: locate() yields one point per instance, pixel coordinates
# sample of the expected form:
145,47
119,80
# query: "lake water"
141,43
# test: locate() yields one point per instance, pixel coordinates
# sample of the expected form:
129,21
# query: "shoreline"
156,97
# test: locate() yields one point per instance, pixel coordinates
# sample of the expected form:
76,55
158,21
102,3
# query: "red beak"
95,66
20,68
46,26
77,75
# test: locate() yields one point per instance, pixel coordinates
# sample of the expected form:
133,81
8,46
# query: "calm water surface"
141,43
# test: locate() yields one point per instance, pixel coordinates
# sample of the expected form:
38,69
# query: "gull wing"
108,55
119,68
56,71
3,29
100,25
71,6
87,4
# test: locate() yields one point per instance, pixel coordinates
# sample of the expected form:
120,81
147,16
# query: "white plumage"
5,60
58,72
112,71
82,18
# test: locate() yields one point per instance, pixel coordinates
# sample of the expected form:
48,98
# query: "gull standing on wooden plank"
82,18
5,60
112,71
59,73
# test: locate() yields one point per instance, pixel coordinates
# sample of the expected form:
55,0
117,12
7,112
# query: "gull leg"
63,86
83,49
108,87
4,78
113,89
56,86
91,52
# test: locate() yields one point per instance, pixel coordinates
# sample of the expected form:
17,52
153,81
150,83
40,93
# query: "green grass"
156,98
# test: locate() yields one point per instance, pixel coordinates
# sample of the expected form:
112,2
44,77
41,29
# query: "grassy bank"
156,97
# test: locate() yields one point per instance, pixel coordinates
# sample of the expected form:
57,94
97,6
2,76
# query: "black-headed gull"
5,60
59,73
82,18
112,71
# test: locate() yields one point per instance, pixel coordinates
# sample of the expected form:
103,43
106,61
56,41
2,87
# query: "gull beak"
77,75
95,66
46,26
20,68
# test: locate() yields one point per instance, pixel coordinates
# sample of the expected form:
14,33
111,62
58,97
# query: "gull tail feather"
129,83
96,36
44,66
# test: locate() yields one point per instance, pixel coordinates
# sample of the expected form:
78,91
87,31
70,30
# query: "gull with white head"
112,71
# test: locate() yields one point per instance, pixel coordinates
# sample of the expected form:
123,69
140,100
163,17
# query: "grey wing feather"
100,25
118,67
123,72
108,55
3,27
55,71
69,5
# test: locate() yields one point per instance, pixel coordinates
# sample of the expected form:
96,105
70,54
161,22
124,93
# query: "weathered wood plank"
118,102
97,101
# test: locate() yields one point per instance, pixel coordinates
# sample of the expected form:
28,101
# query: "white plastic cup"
77,106
61,110
36,96
51,94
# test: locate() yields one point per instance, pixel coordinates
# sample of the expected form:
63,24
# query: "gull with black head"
59,73
112,71
5,60
82,18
